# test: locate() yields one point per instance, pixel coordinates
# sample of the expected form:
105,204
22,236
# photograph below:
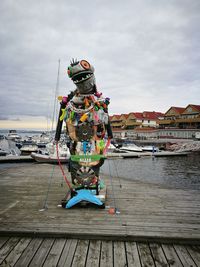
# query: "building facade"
177,122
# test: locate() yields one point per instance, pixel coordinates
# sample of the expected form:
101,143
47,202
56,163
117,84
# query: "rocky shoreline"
193,146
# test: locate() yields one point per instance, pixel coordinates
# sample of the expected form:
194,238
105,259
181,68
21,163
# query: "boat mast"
55,106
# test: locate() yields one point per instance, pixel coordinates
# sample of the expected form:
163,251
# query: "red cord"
60,165
107,145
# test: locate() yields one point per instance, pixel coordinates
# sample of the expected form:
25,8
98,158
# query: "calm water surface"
177,172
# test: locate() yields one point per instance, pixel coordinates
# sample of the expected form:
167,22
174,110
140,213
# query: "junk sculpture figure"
85,112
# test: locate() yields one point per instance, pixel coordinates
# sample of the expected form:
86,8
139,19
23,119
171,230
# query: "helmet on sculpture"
82,75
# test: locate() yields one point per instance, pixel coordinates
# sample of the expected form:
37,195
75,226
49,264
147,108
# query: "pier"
28,158
151,221
47,252
16,159
145,154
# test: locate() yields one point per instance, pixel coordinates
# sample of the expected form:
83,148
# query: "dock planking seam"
194,252
106,237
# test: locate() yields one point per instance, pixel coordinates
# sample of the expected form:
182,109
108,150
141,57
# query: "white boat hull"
48,158
150,149
131,148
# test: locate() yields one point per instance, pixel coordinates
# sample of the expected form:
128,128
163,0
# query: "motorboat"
111,148
8,147
42,140
50,154
150,148
130,148
28,147
12,135
3,152
2,137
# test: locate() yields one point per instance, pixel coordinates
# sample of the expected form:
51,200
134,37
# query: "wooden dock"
145,154
147,211
152,222
16,159
62,252
28,158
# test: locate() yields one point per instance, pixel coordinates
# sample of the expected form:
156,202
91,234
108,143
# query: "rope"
61,168
107,146
113,194
117,174
45,206
115,207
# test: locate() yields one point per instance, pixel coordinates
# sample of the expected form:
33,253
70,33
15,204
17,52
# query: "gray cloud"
146,53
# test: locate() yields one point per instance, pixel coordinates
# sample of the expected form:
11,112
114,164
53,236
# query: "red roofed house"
116,121
136,119
190,117
150,118
177,122
143,119
170,116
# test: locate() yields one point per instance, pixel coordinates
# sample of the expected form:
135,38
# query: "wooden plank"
29,252
145,255
194,252
68,252
8,247
93,253
184,256
132,254
120,220
62,252
106,258
5,159
119,254
158,255
171,256
55,252
42,252
16,252
3,240
80,253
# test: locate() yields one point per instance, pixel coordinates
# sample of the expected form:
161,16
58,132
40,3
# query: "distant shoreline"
25,130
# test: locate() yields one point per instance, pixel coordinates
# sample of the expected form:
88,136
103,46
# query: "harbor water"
177,172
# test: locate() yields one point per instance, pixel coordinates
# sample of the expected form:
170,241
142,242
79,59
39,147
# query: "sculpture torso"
86,119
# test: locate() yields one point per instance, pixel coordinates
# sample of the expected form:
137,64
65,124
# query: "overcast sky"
146,53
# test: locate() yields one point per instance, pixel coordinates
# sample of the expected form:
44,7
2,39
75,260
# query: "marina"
29,149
